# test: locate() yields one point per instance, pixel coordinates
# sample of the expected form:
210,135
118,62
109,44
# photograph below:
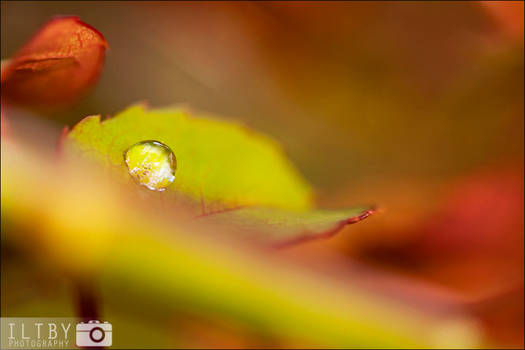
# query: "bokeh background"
415,107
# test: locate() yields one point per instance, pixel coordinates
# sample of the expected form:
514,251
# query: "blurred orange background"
416,107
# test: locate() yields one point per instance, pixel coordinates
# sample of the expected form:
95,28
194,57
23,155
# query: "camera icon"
94,333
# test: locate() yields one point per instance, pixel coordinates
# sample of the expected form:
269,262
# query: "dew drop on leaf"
152,164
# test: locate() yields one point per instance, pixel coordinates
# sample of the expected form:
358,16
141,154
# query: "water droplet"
151,164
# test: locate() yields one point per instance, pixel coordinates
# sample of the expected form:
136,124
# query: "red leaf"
62,60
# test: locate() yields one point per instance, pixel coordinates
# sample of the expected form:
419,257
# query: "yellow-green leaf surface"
240,179
220,163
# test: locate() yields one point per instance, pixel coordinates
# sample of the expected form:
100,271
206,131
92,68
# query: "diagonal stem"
86,300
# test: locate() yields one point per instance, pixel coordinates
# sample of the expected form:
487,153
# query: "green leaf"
240,176
283,227
223,163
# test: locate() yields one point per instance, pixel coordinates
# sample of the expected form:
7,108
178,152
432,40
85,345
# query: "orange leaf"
62,60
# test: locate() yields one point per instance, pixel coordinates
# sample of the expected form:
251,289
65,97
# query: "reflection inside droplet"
152,164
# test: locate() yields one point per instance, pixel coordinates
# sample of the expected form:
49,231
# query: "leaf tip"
61,139
363,215
338,226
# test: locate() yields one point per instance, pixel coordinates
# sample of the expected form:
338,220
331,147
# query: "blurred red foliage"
472,243
508,14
